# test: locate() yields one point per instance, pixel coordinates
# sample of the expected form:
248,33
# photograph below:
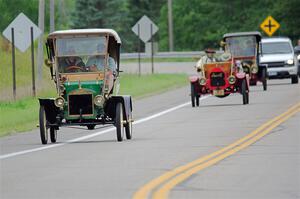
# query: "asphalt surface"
100,167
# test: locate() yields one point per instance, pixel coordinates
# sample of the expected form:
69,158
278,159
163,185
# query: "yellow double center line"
162,185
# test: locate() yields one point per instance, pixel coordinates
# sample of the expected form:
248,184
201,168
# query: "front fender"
241,75
194,79
50,109
111,104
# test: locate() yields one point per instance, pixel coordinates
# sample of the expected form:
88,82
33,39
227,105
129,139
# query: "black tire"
244,92
253,82
91,126
197,100
119,122
128,127
264,78
193,96
294,79
43,125
53,134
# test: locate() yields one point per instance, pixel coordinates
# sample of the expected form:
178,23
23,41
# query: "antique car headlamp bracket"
231,79
254,69
59,102
202,81
99,100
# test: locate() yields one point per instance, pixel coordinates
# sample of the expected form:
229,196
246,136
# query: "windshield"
242,46
276,48
81,54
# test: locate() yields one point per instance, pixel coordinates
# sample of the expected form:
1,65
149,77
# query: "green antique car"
84,64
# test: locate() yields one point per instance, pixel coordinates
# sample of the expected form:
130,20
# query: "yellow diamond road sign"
269,25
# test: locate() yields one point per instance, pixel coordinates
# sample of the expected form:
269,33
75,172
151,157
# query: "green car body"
84,65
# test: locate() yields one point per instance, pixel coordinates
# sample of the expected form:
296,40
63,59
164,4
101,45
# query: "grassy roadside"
173,59
22,115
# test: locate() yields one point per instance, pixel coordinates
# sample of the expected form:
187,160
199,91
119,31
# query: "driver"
209,57
72,60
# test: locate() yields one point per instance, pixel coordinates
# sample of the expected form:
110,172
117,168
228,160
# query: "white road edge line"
9,155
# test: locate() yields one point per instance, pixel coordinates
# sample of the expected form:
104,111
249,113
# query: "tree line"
198,24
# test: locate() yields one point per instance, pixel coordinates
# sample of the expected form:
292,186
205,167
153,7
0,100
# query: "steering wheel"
69,68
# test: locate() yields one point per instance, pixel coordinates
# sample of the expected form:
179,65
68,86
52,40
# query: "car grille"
81,104
217,79
275,64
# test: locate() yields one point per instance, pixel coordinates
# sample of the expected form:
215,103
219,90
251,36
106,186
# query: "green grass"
146,85
23,66
22,115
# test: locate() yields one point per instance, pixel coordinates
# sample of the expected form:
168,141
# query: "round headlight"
290,61
231,79
298,57
59,102
254,69
202,81
62,88
99,100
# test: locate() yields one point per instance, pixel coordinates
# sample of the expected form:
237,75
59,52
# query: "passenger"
96,62
209,57
249,48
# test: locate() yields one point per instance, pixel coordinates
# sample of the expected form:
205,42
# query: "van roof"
275,39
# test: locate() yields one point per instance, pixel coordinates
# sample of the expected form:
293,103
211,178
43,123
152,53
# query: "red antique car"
220,79
244,46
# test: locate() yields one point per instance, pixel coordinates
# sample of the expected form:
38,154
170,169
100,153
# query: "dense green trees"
197,23
200,24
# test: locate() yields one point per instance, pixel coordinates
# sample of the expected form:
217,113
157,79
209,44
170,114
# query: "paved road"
99,167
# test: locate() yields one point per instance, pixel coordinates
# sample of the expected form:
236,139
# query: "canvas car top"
111,32
236,34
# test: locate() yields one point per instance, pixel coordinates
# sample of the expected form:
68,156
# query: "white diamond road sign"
22,25
145,28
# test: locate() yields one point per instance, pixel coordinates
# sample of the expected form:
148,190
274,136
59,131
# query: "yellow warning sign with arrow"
269,26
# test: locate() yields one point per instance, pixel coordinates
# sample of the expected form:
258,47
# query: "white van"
278,54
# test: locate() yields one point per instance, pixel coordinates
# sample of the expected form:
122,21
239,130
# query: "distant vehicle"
244,46
278,54
220,79
297,52
84,65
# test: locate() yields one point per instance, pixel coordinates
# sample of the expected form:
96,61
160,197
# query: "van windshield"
276,48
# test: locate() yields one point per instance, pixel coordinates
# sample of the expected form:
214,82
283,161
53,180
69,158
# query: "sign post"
139,49
152,60
32,61
269,26
22,32
145,29
13,61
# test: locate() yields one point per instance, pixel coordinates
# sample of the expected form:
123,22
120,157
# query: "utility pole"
52,21
40,53
170,25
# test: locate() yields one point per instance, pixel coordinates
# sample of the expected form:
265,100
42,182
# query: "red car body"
219,79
